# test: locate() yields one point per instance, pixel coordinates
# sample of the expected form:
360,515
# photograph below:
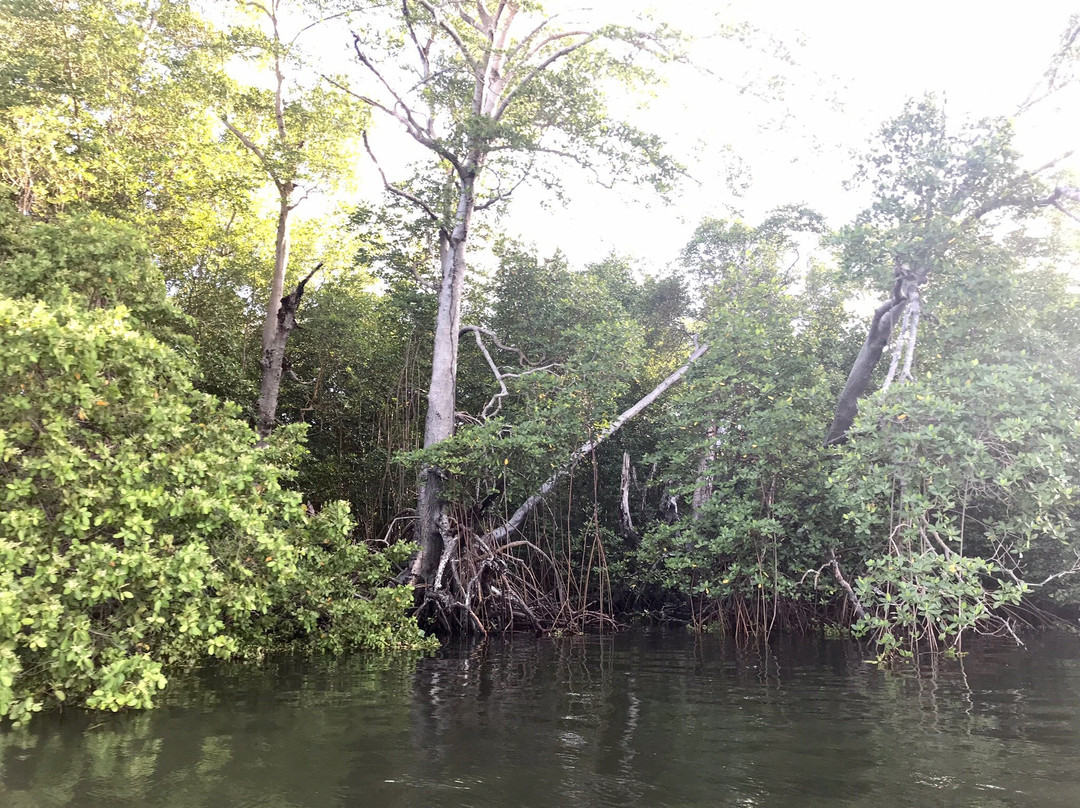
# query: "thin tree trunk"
704,488
274,358
273,337
626,523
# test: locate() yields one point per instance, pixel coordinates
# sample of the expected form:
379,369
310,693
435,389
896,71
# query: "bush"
959,492
140,527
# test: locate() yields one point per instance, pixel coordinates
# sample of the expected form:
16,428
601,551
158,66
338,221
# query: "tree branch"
851,596
314,24
493,406
536,71
499,196
424,51
518,518
524,42
401,111
448,29
250,145
413,198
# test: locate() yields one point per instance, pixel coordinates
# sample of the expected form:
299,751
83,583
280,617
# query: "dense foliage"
142,524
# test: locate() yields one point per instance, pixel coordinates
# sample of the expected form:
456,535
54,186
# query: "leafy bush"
960,494
139,526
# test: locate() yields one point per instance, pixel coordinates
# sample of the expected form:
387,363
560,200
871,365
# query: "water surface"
637,719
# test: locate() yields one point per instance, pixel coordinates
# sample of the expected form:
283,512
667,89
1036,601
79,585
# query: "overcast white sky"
855,63
852,65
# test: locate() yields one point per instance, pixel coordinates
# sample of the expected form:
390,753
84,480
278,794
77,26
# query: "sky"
777,115
852,66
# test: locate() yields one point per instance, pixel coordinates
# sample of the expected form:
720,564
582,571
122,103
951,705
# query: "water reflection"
648,719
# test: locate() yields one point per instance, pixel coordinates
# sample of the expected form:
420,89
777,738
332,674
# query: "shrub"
140,527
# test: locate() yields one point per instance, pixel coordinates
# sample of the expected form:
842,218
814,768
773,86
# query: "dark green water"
632,720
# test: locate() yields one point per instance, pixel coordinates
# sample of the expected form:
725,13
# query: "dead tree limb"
518,518
860,612
493,406
273,359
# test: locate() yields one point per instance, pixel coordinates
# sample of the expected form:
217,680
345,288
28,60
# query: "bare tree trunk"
704,488
499,71
442,399
273,338
626,523
278,324
273,359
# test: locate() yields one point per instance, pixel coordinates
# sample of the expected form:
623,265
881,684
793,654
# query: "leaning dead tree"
482,583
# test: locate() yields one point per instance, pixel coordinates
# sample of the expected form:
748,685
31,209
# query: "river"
635,719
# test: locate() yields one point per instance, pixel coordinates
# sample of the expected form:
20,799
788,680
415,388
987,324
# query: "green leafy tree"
957,485
301,136
941,197
961,490
538,420
141,527
745,511
104,105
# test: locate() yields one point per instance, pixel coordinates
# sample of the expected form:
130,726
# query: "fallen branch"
518,518
840,579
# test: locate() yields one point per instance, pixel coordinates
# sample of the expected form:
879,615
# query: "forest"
232,427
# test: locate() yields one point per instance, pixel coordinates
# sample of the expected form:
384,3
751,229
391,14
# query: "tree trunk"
442,398
626,522
273,337
905,288
703,490
273,361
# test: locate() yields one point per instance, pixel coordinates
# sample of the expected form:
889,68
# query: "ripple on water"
639,719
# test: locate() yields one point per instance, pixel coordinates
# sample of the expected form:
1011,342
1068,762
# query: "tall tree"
940,197
300,137
496,93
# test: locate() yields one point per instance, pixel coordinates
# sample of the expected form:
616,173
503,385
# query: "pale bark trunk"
704,488
626,522
442,398
495,86
273,338
274,355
